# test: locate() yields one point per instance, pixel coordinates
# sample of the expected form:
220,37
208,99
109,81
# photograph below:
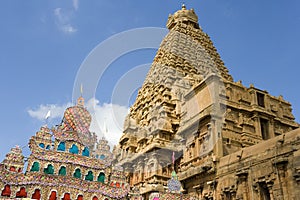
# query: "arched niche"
62,171
66,196
36,194
49,169
101,177
42,145
6,192
53,195
86,152
35,167
21,193
89,176
74,149
77,173
61,146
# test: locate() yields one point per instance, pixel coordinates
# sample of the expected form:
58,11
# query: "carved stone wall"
263,171
190,105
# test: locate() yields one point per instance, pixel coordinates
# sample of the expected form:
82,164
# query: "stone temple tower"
186,58
190,105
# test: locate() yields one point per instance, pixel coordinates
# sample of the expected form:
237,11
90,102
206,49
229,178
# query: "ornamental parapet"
63,157
54,181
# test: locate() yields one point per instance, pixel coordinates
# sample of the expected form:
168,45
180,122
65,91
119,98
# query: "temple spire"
173,159
183,16
81,90
80,100
105,128
48,115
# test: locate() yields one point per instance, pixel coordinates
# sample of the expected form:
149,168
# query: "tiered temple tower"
68,167
190,105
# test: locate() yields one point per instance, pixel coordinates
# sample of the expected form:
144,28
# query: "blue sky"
43,44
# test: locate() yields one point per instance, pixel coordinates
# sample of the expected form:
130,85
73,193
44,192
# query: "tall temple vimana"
192,133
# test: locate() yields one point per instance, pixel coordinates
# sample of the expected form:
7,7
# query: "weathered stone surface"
230,141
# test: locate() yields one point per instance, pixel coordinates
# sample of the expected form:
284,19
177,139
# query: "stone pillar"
245,188
270,188
253,98
142,172
257,125
280,165
122,152
45,193
134,175
243,185
271,128
255,188
146,169
216,136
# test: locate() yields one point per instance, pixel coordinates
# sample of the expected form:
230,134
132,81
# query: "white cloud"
63,21
42,110
75,4
68,28
107,119
61,18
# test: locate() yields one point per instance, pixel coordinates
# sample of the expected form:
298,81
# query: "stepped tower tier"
186,21
14,160
102,151
185,58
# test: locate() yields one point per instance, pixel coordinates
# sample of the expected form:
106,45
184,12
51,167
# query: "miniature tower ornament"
174,184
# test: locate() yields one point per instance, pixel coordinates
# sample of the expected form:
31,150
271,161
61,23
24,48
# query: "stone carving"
186,61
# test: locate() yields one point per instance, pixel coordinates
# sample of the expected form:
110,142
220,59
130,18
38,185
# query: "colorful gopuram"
66,162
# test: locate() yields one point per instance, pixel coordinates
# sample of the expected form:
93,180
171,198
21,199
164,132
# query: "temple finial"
48,115
184,15
173,160
105,127
81,90
80,100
